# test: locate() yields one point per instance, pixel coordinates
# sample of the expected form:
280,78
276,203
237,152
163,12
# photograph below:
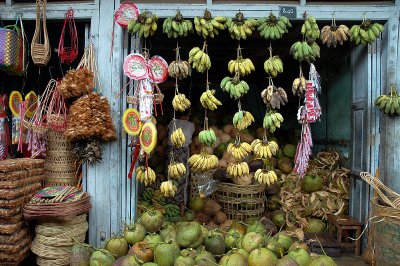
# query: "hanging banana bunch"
145,24
307,50
273,65
179,68
240,28
145,175
199,58
207,26
209,101
274,97
177,26
299,85
389,104
333,35
242,119
366,32
273,28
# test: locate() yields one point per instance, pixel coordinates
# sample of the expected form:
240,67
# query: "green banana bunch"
207,26
366,32
234,86
209,101
310,29
199,59
147,194
302,51
207,137
272,121
240,28
177,26
242,119
145,24
389,104
273,65
273,28
172,210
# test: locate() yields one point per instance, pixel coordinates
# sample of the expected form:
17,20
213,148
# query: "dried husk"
77,82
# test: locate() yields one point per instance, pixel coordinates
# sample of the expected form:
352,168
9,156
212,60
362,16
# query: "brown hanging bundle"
41,52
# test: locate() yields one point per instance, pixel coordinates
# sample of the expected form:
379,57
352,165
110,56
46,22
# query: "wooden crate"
326,240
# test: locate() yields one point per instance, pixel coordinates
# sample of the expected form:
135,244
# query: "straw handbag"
40,52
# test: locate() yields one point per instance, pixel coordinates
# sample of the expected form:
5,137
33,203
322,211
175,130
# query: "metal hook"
305,14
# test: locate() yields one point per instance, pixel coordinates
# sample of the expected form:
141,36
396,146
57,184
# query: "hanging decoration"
68,54
131,122
15,104
125,13
310,112
40,46
5,143
31,100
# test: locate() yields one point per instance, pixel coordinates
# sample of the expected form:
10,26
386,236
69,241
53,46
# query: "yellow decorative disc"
31,100
131,122
148,137
15,102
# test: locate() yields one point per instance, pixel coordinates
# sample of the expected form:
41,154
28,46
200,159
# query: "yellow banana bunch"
176,170
237,169
366,32
234,86
199,59
239,150
302,51
299,86
240,28
310,29
178,138
272,121
243,66
274,97
180,69
168,188
264,149
203,162
177,26
180,102
208,100
273,66
242,119
333,35
266,177
147,177
273,28
145,24
207,26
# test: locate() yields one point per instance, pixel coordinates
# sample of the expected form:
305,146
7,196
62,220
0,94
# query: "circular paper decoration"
131,122
158,69
135,66
125,13
148,137
15,102
31,100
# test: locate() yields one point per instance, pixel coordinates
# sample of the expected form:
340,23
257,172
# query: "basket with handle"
40,52
68,54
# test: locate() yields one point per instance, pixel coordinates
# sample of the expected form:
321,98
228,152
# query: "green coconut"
322,260
262,257
152,240
127,260
233,238
251,241
285,240
134,233
184,261
239,250
289,150
205,258
315,225
300,256
275,247
257,227
80,255
150,264
214,243
312,183
168,233
286,261
285,164
165,254
101,257
117,246
298,244
152,220
235,259
278,218
189,234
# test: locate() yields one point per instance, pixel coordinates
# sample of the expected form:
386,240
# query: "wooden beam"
9,2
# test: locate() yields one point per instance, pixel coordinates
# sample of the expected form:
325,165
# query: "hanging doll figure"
181,154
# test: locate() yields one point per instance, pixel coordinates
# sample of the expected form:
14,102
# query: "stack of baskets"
19,180
61,214
60,161
241,202
53,241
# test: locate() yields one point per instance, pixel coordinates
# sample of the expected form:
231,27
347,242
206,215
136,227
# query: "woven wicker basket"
241,202
60,162
40,52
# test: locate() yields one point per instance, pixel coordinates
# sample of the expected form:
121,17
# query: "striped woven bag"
12,55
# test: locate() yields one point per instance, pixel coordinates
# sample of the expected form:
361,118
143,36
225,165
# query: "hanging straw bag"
40,52
12,49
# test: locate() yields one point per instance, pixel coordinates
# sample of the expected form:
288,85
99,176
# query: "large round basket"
386,234
241,202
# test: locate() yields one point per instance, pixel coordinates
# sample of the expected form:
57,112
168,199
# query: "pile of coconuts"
152,241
